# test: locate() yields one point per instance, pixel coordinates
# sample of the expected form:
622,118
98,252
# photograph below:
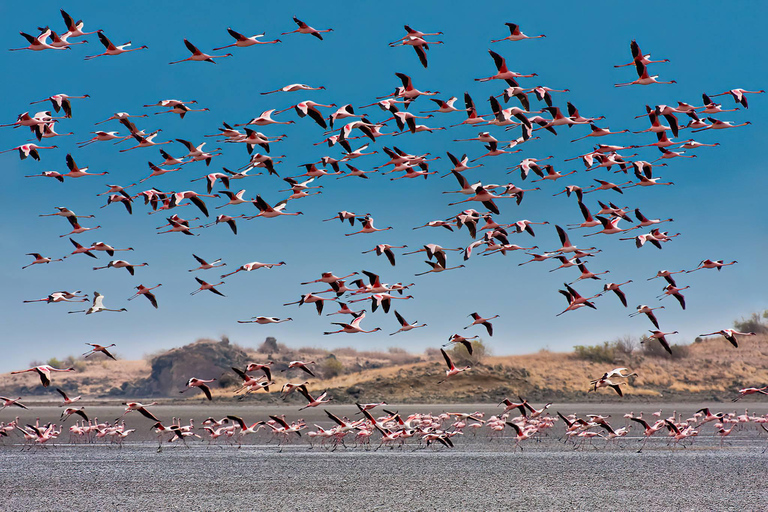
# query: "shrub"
460,356
269,346
56,363
652,348
754,323
605,353
330,367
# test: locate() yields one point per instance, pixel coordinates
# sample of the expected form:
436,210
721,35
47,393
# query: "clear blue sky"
717,201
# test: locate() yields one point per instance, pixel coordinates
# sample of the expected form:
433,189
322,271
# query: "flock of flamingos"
349,131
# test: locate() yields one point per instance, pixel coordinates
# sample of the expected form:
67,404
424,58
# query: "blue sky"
717,201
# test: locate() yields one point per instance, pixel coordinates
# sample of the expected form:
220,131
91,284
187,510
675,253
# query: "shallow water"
477,474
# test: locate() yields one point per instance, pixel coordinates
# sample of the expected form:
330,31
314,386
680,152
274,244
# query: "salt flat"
478,473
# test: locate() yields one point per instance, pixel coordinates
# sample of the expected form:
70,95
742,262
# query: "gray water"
478,474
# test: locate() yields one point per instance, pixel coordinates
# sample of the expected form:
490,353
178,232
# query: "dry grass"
713,368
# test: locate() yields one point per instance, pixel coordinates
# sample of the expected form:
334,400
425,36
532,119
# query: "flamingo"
386,249
503,72
739,95
204,265
242,41
263,320
98,306
661,336
67,399
353,327
141,409
207,286
643,77
199,56
479,320
452,369
39,259
294,88
730,335
368,227
613,287
306,29
122,264
44,372
648,311
100,348
62,296
436,267
199,383
74,28
313,402
61,102
112,49
444,107
419,44
638,56
8,402
515,34
302,365
38,43
147,292
254,265
27,150
405,326
308,299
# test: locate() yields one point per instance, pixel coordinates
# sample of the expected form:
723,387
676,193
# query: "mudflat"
480,472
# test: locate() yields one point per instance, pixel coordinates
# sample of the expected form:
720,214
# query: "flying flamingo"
367,223
263,320
479,320
39,258
122,264
638,56
254,265
452,369
306,29
503,72
302,365
27,150
648,311
613,287
44,372
67,399
207,286
8,402
199,383
659,335
199,56
204,265
100,348
313,402
294,88
242,41
38,43
515,34
74,28
739,95
730,335
352,327
457,338
98,306
112,49
147,292
643,77
404,325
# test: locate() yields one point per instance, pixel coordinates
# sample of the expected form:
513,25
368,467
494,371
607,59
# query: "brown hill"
710,369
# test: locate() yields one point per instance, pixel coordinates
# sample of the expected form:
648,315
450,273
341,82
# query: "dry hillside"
710,369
